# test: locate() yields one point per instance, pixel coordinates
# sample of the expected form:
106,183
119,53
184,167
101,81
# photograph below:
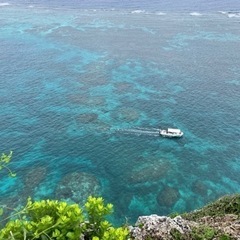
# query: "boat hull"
167,134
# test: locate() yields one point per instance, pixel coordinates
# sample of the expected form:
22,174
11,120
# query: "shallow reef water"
84,92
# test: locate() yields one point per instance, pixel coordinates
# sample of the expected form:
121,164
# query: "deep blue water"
153,5
84,89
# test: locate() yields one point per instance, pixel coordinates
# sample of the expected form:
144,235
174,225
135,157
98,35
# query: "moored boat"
171,132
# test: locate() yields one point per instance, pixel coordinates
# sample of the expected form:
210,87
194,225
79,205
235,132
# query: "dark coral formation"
34,176
32,179
87,117
149,172
126,114
77,187
199,188
168,196
90,101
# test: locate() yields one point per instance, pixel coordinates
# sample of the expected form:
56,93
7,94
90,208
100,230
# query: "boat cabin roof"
174,130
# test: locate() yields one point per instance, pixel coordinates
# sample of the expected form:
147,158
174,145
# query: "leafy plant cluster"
55,220
4,162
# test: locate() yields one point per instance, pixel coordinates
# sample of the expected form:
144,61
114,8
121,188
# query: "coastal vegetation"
52,219
4,161
217,220
221,207
56,220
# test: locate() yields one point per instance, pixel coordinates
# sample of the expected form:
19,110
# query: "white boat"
171,132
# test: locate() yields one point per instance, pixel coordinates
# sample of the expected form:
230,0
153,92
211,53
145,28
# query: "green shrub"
97,227
174,214
176,235
225,237
51,219
46,219
203,233
4,161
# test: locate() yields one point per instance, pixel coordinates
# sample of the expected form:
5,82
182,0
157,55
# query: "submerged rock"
34,176
124,87
89,101
153,171
168,196
149,170
200,188
32,179
77,187
126,114
87,117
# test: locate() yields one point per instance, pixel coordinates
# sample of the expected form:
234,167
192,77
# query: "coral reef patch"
77,187
168,196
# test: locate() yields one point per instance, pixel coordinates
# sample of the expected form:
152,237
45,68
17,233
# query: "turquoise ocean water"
83,92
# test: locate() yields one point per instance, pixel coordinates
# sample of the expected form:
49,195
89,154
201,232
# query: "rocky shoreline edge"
218,220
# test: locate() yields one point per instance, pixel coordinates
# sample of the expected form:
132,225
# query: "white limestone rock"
158,227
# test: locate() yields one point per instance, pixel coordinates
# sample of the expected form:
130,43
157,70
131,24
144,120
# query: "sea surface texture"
84,92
